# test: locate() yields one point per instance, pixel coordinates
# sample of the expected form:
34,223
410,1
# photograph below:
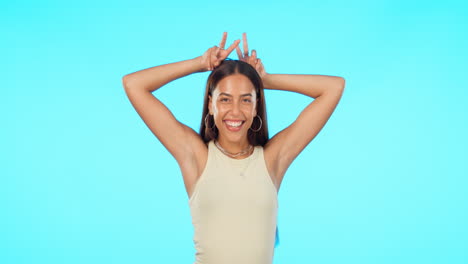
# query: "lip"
234,129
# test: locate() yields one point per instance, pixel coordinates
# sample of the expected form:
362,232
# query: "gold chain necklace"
245,151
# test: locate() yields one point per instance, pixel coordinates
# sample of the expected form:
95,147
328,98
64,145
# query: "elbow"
341,83
130,82
338,85
126,81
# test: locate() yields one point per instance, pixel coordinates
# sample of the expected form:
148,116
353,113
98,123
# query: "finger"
246,46
214,57
211,58
223,40
239,53
254,56
260,65
217,62
257,66
232,47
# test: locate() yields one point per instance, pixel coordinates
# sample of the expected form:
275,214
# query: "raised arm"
327,90
288,143
179,139
159,119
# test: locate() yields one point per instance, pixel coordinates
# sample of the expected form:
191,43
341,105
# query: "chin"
235,138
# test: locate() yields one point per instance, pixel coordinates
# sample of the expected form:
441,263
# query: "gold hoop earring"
206,125
261,123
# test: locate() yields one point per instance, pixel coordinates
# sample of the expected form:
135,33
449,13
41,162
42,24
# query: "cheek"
254,107
215,109
248,108
219,110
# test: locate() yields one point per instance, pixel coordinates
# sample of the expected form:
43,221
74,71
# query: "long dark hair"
231,67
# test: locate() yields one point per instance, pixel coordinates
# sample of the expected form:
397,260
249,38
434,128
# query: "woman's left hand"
251,59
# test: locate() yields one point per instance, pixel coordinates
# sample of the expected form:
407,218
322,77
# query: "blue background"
83,180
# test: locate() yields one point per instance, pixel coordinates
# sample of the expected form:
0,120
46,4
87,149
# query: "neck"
234,147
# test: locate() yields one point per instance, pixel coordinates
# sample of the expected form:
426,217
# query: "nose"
236,108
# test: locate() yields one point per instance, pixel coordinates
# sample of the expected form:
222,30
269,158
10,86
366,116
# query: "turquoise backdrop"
84,181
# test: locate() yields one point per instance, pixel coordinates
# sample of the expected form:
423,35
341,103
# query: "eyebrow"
226,94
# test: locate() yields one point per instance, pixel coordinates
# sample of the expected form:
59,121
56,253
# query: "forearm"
153,78
310,85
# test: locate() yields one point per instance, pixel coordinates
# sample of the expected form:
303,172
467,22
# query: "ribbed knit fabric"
234,209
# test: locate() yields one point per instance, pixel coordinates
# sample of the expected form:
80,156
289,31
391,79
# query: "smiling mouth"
234,126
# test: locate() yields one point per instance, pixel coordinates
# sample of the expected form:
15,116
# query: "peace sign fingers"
222,43
221,51
246,46
223,40
245,55
251,59
232,47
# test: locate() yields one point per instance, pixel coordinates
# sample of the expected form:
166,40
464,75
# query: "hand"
215,55
252,59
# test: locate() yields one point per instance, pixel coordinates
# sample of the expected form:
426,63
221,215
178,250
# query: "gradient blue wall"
83,180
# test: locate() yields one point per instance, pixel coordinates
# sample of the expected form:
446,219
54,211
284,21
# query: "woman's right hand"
215,55
251,59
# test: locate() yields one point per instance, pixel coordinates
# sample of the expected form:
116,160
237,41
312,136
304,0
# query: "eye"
224,99
247,100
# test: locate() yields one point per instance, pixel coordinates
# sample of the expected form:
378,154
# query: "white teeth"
234,124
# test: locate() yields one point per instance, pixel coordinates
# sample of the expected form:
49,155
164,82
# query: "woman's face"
233,105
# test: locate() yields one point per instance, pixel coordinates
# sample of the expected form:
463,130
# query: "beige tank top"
234,210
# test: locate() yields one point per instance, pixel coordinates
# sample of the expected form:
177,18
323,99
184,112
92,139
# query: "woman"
232,171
